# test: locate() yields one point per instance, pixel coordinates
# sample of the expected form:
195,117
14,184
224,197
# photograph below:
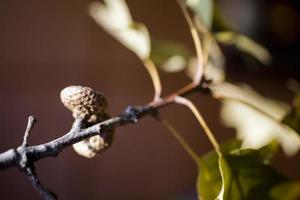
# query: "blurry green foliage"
247,173
289,190
162,51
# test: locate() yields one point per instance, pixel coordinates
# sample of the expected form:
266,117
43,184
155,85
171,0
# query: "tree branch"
25,155
13,157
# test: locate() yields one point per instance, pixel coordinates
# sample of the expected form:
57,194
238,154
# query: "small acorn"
91,105
83,101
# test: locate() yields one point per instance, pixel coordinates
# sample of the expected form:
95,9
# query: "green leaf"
246,45
169,56
246,173
287,191
209,179
204,9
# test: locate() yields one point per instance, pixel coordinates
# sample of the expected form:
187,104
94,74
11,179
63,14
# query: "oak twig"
26,155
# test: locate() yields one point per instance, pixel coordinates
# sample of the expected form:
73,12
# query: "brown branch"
25,155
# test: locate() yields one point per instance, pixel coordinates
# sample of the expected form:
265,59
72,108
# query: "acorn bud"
83,101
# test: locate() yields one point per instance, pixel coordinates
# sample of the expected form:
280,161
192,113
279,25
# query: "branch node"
22,156
78,124
28,168
131,114
204,85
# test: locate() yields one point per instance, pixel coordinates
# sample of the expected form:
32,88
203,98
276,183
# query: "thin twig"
197,42
181,141
31,121
152,70
43,191
197,114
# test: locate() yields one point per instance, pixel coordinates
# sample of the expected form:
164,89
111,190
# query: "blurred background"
46,45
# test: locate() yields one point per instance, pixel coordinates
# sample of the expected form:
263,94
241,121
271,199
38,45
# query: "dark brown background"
46,45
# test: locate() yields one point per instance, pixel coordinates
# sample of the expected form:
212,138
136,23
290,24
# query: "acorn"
91,105
83,102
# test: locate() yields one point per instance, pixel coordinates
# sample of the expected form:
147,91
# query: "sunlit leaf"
137,39
245,44
114,15
289,190
246,174
257,119
115,18
204,9
169,56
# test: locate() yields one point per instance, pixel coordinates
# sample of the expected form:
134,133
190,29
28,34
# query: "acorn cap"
83,101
